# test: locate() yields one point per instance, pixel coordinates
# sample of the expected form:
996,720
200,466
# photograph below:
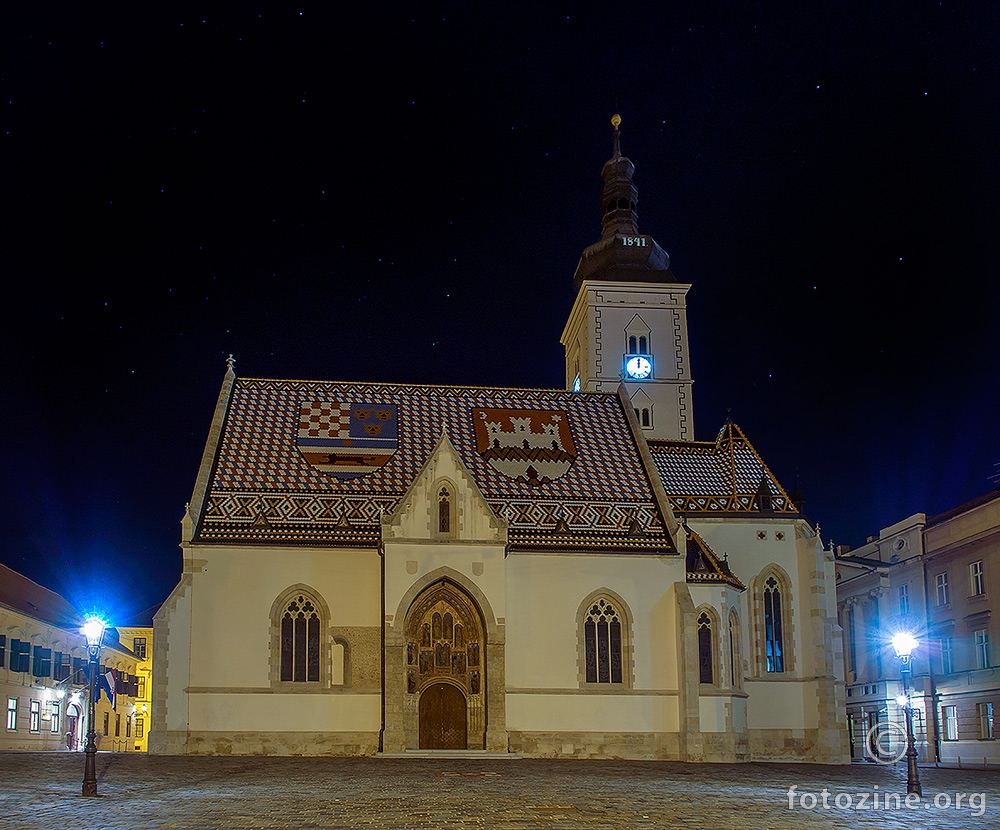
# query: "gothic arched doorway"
444,670
443,717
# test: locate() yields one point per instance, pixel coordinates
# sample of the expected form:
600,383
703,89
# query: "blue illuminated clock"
638,367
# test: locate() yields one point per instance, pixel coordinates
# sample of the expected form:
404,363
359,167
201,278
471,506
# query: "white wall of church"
286,713
545,595
236,588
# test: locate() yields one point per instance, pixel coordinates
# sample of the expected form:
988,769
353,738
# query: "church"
373,568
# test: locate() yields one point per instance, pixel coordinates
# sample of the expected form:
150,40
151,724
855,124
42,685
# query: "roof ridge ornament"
616,119
231,363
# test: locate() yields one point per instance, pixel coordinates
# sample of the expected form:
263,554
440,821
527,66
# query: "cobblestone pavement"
42,790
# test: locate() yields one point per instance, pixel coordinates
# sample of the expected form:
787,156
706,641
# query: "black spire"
622,254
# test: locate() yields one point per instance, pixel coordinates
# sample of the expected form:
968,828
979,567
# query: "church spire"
619,195
622,253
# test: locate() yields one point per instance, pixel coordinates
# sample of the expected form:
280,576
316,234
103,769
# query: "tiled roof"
720,477
573,477
19,593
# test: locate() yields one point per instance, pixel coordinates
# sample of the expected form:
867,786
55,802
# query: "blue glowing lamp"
93,630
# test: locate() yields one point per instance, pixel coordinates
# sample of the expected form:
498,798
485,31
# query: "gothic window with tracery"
602,630
706,673
774,650
300,640
444,511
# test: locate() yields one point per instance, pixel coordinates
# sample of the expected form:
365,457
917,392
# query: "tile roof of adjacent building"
19,593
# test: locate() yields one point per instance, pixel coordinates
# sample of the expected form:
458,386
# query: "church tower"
629,321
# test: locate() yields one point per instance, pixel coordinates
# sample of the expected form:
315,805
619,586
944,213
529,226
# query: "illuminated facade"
558,573
43,673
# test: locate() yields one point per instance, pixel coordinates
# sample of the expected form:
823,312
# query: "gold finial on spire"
616,119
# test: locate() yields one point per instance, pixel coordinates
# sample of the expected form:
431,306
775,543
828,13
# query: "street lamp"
905,644
93,630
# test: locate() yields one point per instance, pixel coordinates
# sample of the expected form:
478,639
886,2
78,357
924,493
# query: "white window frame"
35,716
949,720
904,599
947,656
941,584
985,711
981,643
54,715
977,579
11,714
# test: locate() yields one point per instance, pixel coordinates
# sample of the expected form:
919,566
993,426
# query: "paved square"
42,790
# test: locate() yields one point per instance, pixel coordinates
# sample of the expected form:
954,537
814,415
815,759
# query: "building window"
981,644
949,718
12,713
128,727
107,721
140,687
35,716
118,725
706,674
54,716
3,650
977,583
735,667
139,647
852,640
444,511
20,655
41,665
985,721
140,726
300,640
947,662
904,600
941,582
774,651
603,636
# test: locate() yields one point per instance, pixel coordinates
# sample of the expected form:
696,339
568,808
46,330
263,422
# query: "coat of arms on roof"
533,446
347,440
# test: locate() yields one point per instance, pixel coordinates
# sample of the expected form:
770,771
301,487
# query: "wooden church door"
443,718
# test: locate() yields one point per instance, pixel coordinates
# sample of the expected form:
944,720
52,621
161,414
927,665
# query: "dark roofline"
964,507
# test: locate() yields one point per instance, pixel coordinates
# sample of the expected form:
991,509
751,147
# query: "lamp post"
904,644
93,630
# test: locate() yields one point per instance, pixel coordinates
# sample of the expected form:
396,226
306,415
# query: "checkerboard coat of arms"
533,446
347,440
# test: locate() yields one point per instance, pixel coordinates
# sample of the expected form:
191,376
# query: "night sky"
401,194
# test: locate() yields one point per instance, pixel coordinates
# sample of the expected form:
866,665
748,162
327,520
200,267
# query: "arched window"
604,647
642,346
300,639
633,347
735,668
774,646
706,672
645,418
300,633
444,511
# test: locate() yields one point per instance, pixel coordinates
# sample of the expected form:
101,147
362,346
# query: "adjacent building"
937,578
376,567
44,673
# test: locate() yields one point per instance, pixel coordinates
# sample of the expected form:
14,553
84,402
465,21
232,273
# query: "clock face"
638,367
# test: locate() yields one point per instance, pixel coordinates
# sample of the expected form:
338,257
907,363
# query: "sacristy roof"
724,476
